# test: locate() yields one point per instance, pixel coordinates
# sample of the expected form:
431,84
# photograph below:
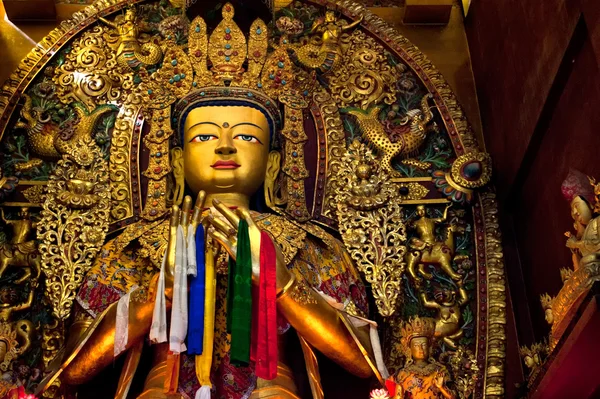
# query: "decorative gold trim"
496,298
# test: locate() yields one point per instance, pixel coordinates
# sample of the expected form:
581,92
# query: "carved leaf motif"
71,238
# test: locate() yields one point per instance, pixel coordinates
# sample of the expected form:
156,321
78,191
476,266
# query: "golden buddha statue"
226,158
422,377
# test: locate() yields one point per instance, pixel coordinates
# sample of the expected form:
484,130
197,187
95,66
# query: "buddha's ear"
273,168
178,174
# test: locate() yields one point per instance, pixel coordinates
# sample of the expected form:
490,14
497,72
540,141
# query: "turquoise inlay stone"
182,75
228,46
177,78
202,93
174,62
227,30
249,94
280,64
227,59
294,154
159,154
267,223
271,76
194,84
197,28
171,81
259,85
285,41
305,93
258,31
149,91
268,102
283,82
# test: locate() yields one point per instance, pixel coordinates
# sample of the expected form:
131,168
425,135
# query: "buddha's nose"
225,146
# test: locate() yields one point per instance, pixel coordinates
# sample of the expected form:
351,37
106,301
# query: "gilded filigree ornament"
71,234
372,230
403,140
363,77
465,371
412,191
302,294
91,72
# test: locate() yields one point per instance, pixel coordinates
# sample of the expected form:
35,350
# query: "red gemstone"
178,84
221,53
235,53
158,169
257,54
198,53
295,169
227,36
228,8
176,70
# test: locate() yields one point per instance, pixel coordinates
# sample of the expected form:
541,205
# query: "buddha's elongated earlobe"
178,174
273,168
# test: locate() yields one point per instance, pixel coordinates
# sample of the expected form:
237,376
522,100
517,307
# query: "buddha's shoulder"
293,236
150,239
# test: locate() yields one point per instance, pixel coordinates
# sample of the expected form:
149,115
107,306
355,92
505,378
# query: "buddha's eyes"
203,137
247,137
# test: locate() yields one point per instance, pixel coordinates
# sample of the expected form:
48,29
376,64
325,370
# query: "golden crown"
546,301
418,327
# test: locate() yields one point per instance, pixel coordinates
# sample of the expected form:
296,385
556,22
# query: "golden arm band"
318,322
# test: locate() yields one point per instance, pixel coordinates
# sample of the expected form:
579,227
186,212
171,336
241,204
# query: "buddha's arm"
98,352
321,326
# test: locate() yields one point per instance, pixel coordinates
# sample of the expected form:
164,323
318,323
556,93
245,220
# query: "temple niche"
280,201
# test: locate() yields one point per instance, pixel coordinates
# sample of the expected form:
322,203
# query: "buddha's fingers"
175,216
228,213
225,242
185,213
245,214
198,207
221,226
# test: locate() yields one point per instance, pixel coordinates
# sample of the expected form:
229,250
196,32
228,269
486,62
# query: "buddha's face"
549,316
419,348
421,210
225,149
330,16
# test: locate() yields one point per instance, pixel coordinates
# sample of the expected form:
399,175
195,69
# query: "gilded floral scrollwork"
91,74
364,77
371,225
72,229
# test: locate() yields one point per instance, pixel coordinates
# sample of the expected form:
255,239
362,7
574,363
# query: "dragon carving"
392,141
49,140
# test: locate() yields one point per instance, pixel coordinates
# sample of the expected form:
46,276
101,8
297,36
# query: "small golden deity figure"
584,243
422,377
16,337
426,249
325,56
20,251
448,303
129,51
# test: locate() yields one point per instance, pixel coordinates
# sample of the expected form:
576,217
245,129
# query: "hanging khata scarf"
158,329
241,296
179,312
204,361
192,262
266,331
122,323
197,288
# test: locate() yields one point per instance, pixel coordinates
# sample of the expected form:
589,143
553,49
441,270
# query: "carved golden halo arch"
491,297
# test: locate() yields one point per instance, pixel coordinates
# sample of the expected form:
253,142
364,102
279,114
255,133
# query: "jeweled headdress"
227,68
